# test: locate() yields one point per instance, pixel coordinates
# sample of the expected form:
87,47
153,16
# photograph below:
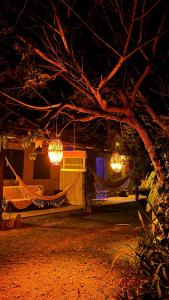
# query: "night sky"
93,29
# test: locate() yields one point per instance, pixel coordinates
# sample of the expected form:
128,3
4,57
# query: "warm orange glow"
75,154
116,162
74,161
55,151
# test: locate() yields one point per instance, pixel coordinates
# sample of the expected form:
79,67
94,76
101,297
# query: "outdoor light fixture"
55,151
116,162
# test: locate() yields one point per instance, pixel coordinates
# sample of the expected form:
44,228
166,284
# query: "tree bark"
150,147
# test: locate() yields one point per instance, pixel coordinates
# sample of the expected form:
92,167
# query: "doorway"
101,167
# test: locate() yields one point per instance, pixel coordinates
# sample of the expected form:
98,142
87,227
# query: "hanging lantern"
116,162
33,155
55,151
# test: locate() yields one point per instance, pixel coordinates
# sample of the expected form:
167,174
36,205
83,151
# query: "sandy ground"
69,256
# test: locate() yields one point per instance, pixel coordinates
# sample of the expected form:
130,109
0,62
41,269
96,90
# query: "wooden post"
2,160
123,171
17,222
90,188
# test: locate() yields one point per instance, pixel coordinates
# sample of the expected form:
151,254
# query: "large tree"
101,60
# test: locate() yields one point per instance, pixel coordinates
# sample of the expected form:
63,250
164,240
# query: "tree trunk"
150,147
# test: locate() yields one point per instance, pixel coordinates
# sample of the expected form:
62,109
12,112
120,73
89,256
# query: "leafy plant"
153,254
153,258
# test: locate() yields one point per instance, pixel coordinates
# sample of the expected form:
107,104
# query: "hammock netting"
35,195
112,185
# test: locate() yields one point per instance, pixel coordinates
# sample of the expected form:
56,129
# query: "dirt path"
67,257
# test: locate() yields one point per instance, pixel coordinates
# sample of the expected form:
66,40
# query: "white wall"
75,195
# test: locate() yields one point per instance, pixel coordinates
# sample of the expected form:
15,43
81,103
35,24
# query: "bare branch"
145,44
21,12
63,36
112,73
90,29
141,24
148,68
138,83
159,29
130,28
147,12
19,115
94,114
29,106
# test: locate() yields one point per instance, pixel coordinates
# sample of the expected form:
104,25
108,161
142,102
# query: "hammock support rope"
34,195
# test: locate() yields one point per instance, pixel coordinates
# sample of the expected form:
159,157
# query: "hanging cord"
74,134
12,169
64,127
56,126
74,128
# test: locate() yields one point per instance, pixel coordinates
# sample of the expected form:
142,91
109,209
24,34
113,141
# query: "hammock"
109,183
115,183
34,195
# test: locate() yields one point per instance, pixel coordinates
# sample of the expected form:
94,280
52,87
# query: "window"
41,168
16,159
